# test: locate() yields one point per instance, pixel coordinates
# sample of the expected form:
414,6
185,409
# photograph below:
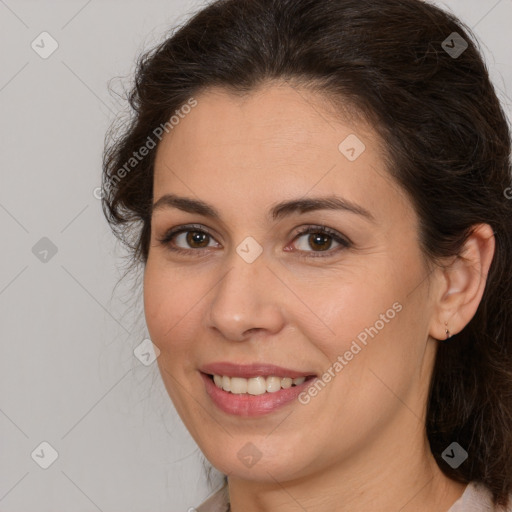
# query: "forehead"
273,143
276,122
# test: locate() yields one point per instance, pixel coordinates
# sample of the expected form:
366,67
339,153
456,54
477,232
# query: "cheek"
350,307
371,319
378,345
169,310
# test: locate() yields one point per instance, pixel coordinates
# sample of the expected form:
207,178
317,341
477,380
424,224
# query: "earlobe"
447,331
464,281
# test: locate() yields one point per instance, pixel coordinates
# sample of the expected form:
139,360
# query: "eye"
195,237
321,238
189,239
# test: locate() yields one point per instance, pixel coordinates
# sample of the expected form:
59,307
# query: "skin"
360,444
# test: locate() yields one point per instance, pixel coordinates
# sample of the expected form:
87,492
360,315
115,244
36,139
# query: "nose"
249,298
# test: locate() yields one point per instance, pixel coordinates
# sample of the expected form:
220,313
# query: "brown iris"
197,237
314,239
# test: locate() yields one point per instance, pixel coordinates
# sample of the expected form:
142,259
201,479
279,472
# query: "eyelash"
344,242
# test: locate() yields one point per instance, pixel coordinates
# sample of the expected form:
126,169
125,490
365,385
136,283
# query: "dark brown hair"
447,144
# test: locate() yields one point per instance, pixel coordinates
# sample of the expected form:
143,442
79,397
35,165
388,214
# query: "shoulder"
477,498
217,502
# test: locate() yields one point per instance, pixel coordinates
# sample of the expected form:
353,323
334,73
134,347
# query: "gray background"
68,374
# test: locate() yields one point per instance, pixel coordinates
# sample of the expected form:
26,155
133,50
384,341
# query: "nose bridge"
245,299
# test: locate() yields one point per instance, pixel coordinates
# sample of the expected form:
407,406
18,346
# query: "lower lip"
252,405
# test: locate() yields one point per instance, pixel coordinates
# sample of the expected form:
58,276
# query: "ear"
462,283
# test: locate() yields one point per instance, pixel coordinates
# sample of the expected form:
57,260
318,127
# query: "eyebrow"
278,211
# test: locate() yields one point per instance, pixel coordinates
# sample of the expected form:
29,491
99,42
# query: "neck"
400,475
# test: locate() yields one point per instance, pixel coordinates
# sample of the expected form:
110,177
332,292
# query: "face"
250,285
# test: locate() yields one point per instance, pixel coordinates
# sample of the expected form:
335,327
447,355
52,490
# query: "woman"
317,194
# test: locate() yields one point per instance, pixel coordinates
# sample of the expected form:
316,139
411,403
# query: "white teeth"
226,383
273,384
238,386
255,385
286,383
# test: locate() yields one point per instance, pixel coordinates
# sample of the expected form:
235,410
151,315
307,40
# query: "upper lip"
252,370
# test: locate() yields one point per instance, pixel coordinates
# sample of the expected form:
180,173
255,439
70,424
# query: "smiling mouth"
256,385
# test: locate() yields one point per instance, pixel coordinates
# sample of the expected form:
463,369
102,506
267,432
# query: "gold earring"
448,336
